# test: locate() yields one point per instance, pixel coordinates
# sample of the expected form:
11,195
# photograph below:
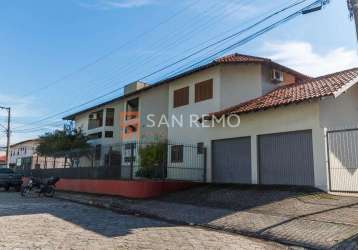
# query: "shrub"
152,160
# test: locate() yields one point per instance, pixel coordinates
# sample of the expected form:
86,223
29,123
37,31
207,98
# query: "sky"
55,55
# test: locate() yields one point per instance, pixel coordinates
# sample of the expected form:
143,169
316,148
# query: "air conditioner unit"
93,116
277,76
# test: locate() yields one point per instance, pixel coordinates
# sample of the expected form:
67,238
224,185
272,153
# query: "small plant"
152,160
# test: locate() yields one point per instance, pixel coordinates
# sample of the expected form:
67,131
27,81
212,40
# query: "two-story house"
281,134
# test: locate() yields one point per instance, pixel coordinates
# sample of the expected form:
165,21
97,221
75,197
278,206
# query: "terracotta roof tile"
311,89
241,58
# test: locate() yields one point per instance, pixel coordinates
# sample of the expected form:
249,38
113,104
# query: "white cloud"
117,4
302,57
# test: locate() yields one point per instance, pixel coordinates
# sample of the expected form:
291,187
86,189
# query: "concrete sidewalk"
318,221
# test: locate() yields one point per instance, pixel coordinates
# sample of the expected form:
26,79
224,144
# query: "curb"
138,213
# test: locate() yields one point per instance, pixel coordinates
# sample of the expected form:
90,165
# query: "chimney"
134,86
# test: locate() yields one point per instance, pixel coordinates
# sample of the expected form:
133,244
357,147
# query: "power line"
243,41
44,126
183,37
225,39
110,53
127,67
251,37
297,3
81,105
197,45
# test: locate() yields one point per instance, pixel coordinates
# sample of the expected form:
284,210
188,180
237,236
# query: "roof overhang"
214,63
345,87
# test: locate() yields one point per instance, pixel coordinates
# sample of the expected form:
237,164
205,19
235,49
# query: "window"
204,90
108,134
200,148
94,136
181,97
95,120
98,152
132,109
109,117
177,153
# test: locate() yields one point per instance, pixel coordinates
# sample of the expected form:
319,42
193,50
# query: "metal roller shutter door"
232,160
286,159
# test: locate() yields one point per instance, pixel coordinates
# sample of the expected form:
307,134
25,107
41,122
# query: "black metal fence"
123,161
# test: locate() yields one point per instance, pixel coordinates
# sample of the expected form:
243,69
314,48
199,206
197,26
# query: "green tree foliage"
69,143
152,160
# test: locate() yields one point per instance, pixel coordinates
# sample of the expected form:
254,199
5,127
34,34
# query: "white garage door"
343,160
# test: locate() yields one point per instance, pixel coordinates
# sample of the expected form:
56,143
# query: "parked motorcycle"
47,187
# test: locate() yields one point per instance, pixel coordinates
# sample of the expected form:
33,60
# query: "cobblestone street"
314,220
40,223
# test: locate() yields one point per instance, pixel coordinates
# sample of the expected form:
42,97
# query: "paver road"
41,223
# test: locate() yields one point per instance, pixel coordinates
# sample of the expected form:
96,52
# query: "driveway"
41,223
304,219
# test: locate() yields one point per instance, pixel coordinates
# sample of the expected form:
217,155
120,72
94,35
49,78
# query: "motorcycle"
47,187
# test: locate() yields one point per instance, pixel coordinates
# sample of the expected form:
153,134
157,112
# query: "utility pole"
8,134
8,137
353,10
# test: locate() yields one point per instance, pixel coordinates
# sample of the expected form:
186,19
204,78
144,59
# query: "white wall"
290,118
239,83
186,134
18,152
340,112
154,101
234,84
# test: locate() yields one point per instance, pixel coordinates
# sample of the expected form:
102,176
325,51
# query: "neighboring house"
2,160
284,119
21,153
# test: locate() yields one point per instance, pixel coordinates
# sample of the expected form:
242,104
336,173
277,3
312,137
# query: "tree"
68,143
153,160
